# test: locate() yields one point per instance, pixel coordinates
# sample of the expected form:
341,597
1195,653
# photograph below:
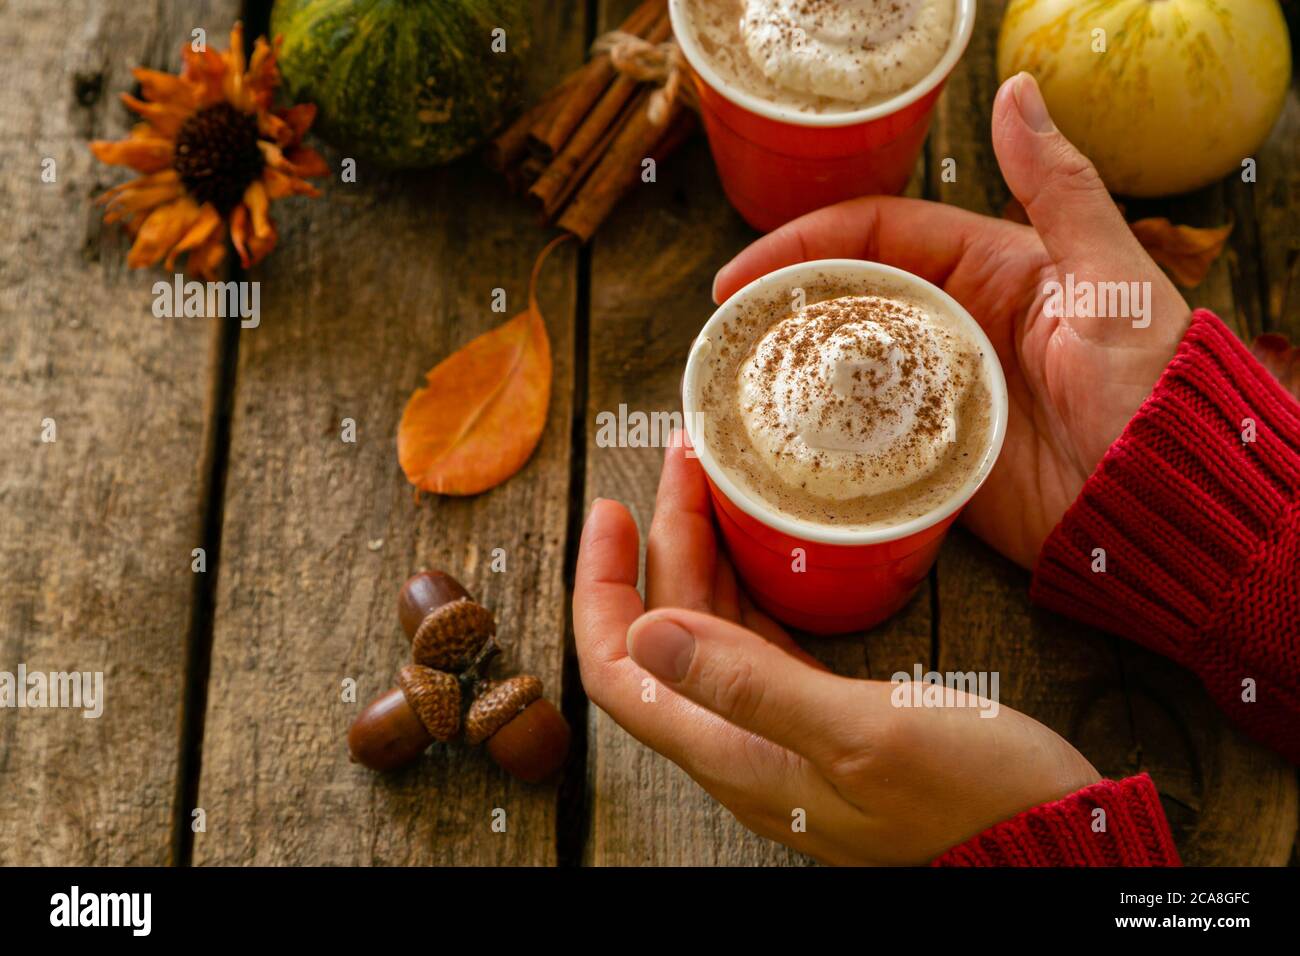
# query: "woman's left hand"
766,730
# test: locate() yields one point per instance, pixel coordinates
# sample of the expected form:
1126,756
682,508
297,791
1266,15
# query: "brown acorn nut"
398,726
424,592
525,734
446,627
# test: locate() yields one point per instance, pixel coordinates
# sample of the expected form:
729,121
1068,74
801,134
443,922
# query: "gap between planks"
573,800
574,807
573,804
256,17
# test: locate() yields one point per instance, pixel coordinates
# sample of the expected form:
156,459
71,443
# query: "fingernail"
662,647
1029,101
713,293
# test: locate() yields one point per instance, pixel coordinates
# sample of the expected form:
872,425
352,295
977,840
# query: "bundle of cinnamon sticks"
579,150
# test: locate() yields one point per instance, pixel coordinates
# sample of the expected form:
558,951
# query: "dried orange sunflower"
213,153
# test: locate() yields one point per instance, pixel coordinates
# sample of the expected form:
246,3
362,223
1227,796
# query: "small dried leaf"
1186,252
483,408
1281,358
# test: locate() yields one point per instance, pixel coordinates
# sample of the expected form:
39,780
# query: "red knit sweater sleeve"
1196,509
1111,823
1196,512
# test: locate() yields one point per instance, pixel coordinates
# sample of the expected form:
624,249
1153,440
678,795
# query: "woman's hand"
1074,383
766,730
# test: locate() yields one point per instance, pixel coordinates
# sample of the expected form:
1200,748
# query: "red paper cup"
777,163
845,580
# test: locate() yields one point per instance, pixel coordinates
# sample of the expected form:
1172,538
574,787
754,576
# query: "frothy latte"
823,56
864,407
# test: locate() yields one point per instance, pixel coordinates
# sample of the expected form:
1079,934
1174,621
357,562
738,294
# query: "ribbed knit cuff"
1111,823
1195,512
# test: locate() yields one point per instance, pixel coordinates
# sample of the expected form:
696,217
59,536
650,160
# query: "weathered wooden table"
223,688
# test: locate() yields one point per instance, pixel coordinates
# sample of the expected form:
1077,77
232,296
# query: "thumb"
756,685
1059,187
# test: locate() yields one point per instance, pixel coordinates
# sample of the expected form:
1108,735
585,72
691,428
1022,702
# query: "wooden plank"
1229,800
371,286
649,296
96,527
643,808
651,273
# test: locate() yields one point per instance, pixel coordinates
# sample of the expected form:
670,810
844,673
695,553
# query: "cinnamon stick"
556,183
557,201
524,173
620,167
549,135
509,146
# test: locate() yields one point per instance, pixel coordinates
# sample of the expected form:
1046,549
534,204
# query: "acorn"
453,642
525,734
446,626
424,592
398,726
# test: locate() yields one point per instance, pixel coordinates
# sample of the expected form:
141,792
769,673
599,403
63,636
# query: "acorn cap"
450,636
497,704
435,698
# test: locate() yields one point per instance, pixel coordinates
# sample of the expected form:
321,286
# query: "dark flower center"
217,156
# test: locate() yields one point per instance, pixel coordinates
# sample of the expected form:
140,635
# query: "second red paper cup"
820,578
777,163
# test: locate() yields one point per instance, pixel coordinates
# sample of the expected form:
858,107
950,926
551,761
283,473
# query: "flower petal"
263,75
259,247
300,161
143,155
141,200
205,260
160,87
233,86
305,161
133,223
253,240
161,230
279,185
203,70
258,204
234,56
239,232
299,118
140,182
165,118
271,127
208,223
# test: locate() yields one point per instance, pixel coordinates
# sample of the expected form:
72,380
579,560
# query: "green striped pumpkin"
402,83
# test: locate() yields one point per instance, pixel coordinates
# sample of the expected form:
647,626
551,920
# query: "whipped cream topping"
853,396
851,50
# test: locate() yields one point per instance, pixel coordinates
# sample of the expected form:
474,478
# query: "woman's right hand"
1073,382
